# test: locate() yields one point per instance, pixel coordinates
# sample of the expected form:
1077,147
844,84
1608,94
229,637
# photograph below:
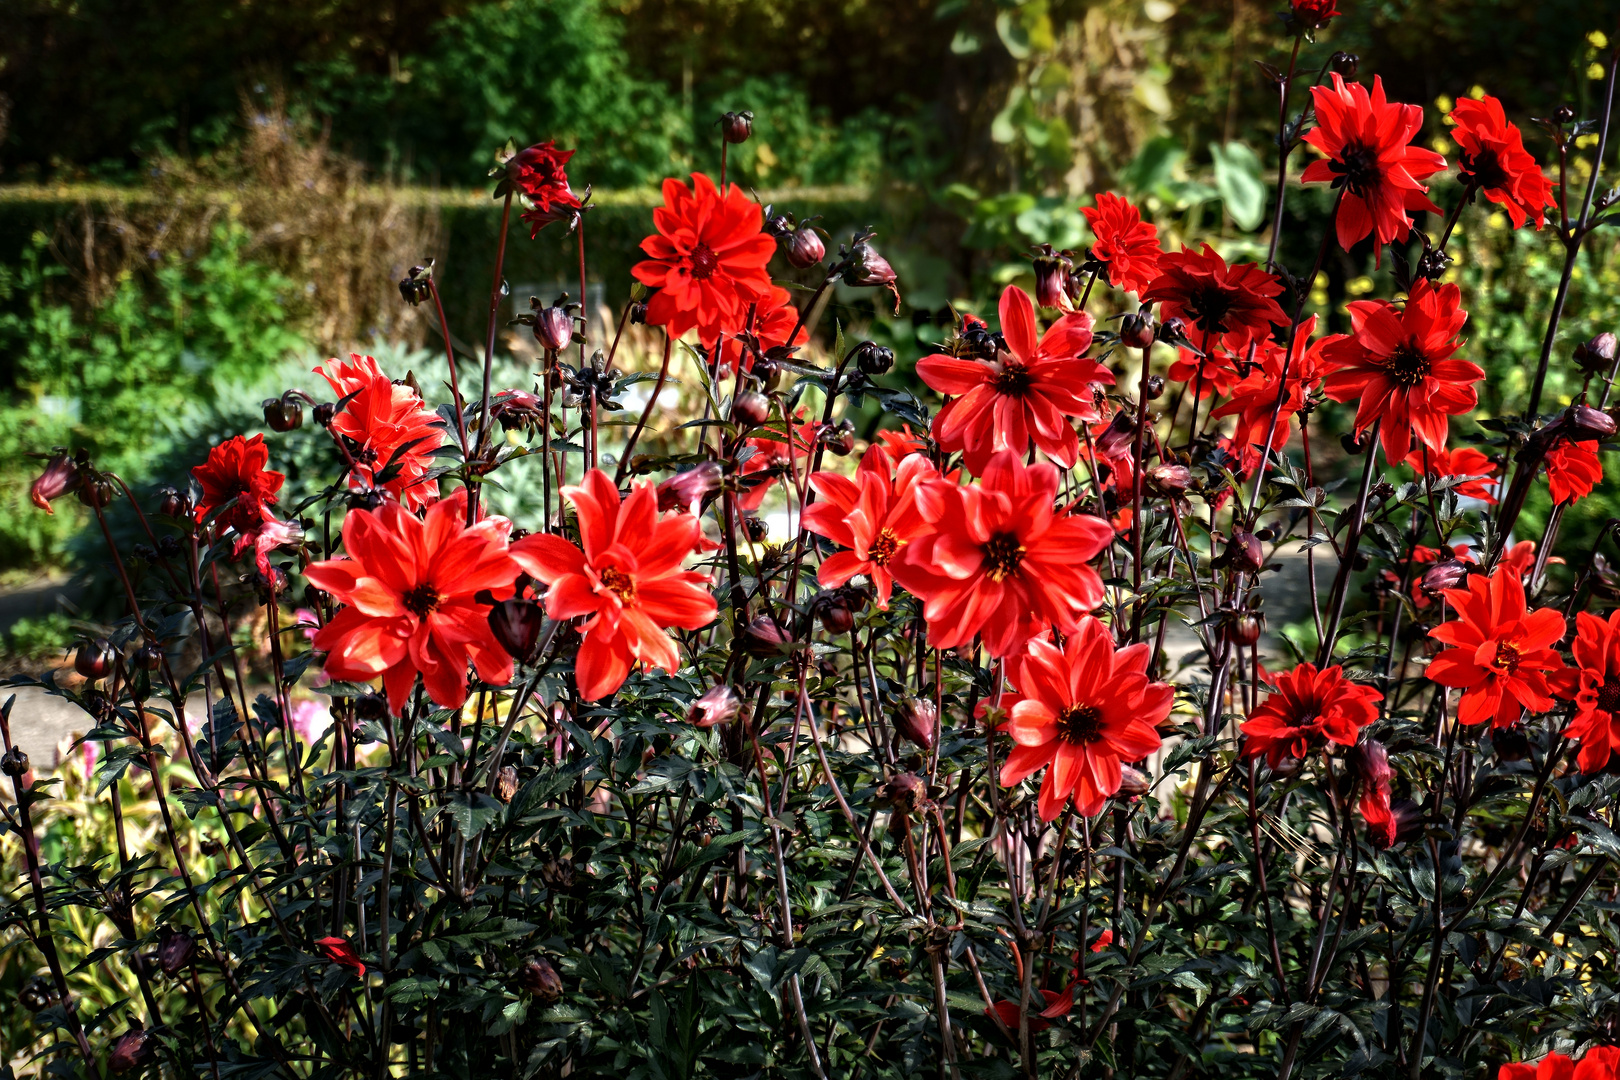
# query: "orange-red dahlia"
1025,393
1002,562
1223,305
874,516
390,433
1398,364
1501,655
541,173
1254,400
1495,161
627,578
1307,707
408,587
1469,466
235,469
1313,14
707,259
1573,469
1127,246
1599,1063
1597,690
1366,142
1083,710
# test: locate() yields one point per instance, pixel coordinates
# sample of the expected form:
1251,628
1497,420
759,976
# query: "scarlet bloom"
235,469
1398,364
540,173
707,260
409,587
1597,691
1025,393
1104,939
61,476
627,578
1501,655
390,433
1365,140
1599,1063
1002,562
1369,764
1010,1014
1308,706
1127,246
1083,710
1314,14
339,951
1495,161
874,516
1255,400
1465,463
1229,305
1573,469
1216,372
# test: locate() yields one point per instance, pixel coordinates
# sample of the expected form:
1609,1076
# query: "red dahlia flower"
235,469
1254,400
1369,764
774,319
1597,694
874,516
1025,393
1002,562
1573,469
1127,246
408,588
1228,305
1314,14
1215,373
1308,706
540,173
1495,161
1502,655
628,579
1083,710
1465,463
1600,1063
339,951
707,260
1398,365
391,433
1365,140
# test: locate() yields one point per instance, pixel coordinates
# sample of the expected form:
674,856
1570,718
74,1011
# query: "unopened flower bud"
1244,553
539,978
1355,442
1133,782
756,528
1137,331
1244,627
1564,115
1586,423
750,408
1510,744
324,412
764,636
1597,355
1169,480
174,504
285,413
417,285
834,611
95,489
61,476
95,659
1052,273
906,792
873,359
687,489
735,127
149,657
718,705
838,438
174,951
1117,437
506,783
868,269
1447,574
134,1049
1369,763
803,247
553,327
516,624
918,720
14,762
1344,65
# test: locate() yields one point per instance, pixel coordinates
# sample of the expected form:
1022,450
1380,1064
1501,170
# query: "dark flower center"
422,601
1608,698
1357,166
1407,366
1003,554
1012,379
1209,308
704,262
884,545
1507,657
619,583
1078,725
1484,170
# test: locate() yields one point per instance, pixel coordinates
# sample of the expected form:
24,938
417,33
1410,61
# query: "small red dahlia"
874,516
1230,306
391,433
1573,470
1495,161
1470,466
1597,693
235,469
1314,14
540,173
1307,707
1502,654
1127,246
